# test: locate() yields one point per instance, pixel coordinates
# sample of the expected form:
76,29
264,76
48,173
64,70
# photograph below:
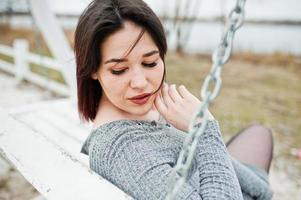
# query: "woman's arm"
134,164
139,165
254,183
217,177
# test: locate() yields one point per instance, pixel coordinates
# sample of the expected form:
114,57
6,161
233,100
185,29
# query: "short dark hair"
100,19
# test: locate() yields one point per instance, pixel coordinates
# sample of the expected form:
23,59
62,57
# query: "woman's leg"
253,145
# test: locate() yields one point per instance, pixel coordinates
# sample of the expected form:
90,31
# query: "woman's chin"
141,110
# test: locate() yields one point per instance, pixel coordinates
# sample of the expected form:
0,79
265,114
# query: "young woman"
140,122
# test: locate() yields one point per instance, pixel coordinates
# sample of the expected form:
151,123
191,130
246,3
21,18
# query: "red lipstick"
140,99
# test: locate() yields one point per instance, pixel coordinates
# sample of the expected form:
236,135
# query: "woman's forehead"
119,43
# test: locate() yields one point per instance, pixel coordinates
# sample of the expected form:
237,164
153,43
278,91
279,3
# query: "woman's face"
123,75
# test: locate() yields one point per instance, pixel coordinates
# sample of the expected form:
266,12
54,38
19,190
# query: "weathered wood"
47,83
33,58
47,153
22,71
44,61
7,50
55,39
21,48
39,198
7,67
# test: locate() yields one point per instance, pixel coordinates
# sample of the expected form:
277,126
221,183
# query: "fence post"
21,48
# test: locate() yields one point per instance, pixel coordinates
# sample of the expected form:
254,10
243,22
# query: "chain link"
219,57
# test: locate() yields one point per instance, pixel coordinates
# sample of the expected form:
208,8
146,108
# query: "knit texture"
138,156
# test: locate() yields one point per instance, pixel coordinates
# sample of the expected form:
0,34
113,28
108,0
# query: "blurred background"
261,82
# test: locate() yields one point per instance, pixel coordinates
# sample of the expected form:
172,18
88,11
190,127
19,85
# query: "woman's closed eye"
118,72
153,64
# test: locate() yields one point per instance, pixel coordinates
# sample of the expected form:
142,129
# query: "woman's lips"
141,101
140,96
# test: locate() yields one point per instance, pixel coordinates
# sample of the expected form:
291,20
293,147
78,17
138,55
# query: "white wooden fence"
20,68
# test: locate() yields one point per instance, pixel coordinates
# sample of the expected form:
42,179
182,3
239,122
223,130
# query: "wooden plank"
44,61
33,58
7,67
33,107
54,135
46,83
50,169
66,127
65,117
47,119
61,114
71,111
7,50
34,78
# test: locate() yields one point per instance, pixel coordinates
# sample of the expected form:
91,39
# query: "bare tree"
186,12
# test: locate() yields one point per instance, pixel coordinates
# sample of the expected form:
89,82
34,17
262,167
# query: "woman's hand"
177,106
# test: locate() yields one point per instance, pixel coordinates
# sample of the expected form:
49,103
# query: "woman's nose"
138,79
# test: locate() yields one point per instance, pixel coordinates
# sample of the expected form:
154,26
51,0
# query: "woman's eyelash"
153,64
117,72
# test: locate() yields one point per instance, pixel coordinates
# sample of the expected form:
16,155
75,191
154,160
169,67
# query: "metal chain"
219,57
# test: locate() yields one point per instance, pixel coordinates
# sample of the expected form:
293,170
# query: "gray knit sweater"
137,156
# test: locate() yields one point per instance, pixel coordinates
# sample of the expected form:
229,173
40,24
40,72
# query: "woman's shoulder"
120,124
104,131
107,133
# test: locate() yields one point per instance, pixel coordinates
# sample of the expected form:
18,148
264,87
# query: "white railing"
20,67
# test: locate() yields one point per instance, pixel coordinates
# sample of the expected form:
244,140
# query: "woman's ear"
94,76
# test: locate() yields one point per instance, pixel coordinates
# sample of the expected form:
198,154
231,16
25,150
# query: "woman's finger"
174,94
166,98
185,93
161,107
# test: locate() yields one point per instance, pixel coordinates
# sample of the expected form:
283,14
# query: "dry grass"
34,38
3,183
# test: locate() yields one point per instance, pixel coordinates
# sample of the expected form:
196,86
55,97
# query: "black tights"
253,145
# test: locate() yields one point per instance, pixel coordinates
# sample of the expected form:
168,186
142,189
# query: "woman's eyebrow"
119,60
150,53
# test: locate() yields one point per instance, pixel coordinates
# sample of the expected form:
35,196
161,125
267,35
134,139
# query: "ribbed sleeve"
261,190
217,177
138,157
134,162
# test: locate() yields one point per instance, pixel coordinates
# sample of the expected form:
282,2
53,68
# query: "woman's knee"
264,138
255,144
260,131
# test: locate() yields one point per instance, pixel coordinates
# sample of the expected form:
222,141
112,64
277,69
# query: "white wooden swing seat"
43,142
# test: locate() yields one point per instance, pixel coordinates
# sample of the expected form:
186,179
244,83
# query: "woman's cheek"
160,77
